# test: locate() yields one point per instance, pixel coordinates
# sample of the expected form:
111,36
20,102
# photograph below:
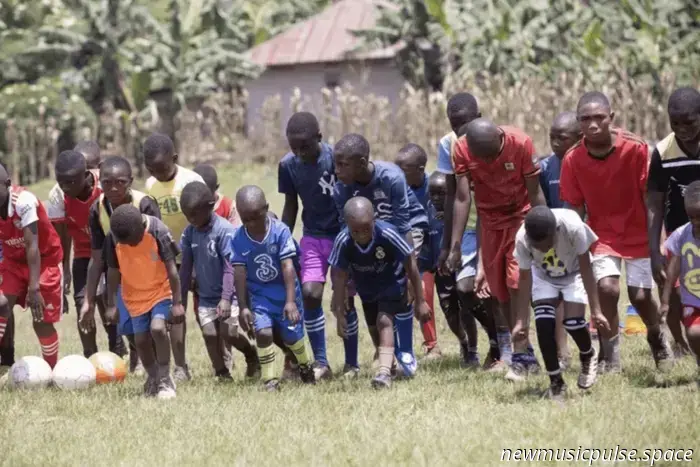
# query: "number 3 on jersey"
266,271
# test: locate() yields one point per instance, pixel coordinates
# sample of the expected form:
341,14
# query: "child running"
267,285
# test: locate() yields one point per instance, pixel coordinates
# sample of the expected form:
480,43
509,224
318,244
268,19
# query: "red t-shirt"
500,192
613,191
23,209
75,214
225,208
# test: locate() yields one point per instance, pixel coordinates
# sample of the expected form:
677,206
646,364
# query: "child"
141,256
552,249
165,185
31,268
91,152
381,262
267,284
206,246
116,179
684,247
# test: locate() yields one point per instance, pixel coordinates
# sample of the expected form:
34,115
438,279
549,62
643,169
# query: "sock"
503,338
386,359
578,330
351,342
49,349
299,350
519,358
267,363
545,323
315,323
428,329
403,331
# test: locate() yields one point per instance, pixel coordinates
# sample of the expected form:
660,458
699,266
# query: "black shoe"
381,381
556,391
306,372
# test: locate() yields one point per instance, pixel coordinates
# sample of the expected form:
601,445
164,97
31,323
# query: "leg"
114,340
691,321
371,316
51,289
293,336
229,332
160,315
351,342
562,338
87,339
452,308
607,272
266,354
7,328
125,328
178,333
575,325
674,320
144,344
484,311
545,324
385,330
209,324
428,329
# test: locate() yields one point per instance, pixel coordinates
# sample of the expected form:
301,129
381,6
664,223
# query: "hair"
208,173
352,144
463,103
303,123
540,223
358,207
69,161
592,97
90,149
685,100
415,151
158,144
117,162
692,193
196,195
126,222
250,194
437,178
568,120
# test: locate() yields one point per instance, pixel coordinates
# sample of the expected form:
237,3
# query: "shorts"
390,307
470,255
207,314
14,280
80,275
268,317
570,289
142,323
315,252
500,267
418,236
638,270
691,316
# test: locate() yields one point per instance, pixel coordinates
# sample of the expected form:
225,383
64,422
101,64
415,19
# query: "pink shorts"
315,252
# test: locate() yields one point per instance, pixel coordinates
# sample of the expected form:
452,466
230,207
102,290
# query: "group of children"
387,232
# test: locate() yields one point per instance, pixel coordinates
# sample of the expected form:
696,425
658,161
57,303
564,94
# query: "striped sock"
49,349
267,362
403,332
351,342
315,323
504,345
3,326
299,350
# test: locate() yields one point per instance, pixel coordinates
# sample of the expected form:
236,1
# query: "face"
438,192
254,218
116,184
4,191
685,125
361,230
162,167
348,167
693,211
198,216
135,239
304,146
414,172
458,120
543,245
595,120
561,140
488,150
72,183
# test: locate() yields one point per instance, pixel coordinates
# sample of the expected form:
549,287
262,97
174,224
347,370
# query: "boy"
605,175
381,262
31,269
141,255
684,248
91,152
385,186
267,285
307,172
500,164
552,249
675,164
165,185
116,179
206,246
68,208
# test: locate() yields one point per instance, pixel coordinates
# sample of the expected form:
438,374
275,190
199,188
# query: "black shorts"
390,307
446,287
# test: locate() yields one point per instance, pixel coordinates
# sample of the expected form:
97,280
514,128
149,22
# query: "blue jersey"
549,181
263,262
377,269
422,193
313,183
389,193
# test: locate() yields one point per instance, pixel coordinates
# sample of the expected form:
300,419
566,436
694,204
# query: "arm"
185,271
523,298
174,279
56,210
31,244
114,278
534,192
673,272
420,305
228,290
451,185
340,293
460,213
285,185
290,211
656,189
591,286
67,245
290,280
93,277
240,274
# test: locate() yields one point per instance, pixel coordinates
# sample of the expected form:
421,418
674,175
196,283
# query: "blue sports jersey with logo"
549,181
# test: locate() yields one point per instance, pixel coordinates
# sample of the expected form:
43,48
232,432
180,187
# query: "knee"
265,338
312,292
639,296
159,329
466,286
609,288
209,333
384,321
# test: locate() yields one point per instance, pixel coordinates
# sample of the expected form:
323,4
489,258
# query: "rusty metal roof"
323,38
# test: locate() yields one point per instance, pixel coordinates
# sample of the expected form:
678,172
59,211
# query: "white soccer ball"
74,372
30,373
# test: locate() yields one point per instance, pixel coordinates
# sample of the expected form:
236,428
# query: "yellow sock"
299,350
266,355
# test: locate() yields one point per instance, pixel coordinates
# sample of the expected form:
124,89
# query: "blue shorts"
470,255
129,325
274,318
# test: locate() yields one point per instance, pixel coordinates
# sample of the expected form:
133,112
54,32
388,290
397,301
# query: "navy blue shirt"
377,269
549,181
422,193
389,193
313,183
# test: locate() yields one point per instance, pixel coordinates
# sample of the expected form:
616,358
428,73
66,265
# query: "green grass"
446,416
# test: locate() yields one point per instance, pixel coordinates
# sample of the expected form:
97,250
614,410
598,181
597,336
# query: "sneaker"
307,374
150,387
381,381
492,364
470,359
291,371
517,372
350,372
662,356
556,392
589,371
533,366
166,388
322,372
271,386
252,369
407,365
182,374
224,376
432,353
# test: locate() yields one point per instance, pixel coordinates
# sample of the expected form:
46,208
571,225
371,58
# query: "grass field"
446,416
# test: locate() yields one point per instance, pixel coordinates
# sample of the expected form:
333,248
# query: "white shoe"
589,371
166,388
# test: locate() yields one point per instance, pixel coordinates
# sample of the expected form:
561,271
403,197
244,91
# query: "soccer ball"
74,372
109,367
30,373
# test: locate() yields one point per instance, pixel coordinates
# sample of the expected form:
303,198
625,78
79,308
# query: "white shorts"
571,289
638,270
470,255
208,315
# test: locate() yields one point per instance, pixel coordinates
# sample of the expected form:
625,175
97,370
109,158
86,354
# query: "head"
197,203
684,114
462,108
564,133
127,225
304,136
437,188
541,227
359,216
595,116
159,157
252,208
5,183
71,173
116,179
484,139
91,151
692,205
208,173
412,160
351,156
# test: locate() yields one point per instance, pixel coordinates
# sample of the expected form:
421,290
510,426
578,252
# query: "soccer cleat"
517,372
432,353
291,371
182,374
556,392
307,375
166,388
150,387
589,370
407,365
322,372
271,386
350,372
381,381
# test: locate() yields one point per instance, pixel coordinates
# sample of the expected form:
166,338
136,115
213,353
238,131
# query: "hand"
342,324
246,321
481,285
454,259
422,311
223,309
111,315
600,320
86,322
658,268
520,332
291,312
36,304
67,280
177,312
663,311
442,262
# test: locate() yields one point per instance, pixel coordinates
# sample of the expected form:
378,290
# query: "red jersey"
75,214
23,209
225,208
500,192
613,190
